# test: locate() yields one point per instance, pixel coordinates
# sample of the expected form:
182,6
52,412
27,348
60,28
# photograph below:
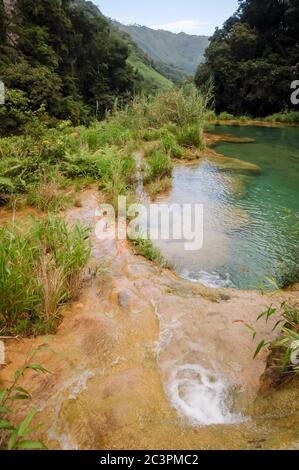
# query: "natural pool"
251,215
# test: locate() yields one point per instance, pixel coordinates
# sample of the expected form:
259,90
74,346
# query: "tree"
253,61
64,56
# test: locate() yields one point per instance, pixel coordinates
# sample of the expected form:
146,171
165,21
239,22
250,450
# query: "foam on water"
201,395
212,279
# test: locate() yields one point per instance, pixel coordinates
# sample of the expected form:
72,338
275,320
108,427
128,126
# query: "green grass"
50,194
281,349
158,186
146,249
152,78
158,164
40,269
171,146
224,116
287,117
190,136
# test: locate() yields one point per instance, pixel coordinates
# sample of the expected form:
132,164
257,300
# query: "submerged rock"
234,165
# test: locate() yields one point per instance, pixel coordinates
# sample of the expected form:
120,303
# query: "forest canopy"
60,57
254,58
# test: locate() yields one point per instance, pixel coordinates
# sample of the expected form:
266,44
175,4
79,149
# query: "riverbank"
144,359
111,384
252,122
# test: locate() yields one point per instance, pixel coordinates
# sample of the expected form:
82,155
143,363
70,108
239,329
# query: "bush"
102,134
159,165
190,137
244,118
287,117
117,173
15,435
48,196
40,269
211,115
226,116
150,135
171,146
159,186
180,106
146,249
287,345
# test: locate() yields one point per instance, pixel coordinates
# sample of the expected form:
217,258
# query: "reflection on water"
251,206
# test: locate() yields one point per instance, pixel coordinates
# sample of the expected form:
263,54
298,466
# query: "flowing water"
148,360
251,210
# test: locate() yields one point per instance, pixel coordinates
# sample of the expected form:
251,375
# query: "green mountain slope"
152,79
154,76
183,51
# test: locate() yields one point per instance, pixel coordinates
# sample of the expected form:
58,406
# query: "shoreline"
251,123
109,381
100,354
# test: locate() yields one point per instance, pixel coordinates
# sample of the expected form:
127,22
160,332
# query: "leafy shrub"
159,165
159,186
146,249
287,117
150,135
40,269
287,345
48,196
6,185
117,173
190,137
171,146
15,436
244,118
226,116
81,163
181,106
211,115
102,134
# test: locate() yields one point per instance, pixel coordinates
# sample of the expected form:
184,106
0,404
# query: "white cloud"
186,26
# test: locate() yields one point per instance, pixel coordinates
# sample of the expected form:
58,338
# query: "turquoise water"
251,216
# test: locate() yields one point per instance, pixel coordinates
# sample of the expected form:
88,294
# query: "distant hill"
153,80
181,51
155,76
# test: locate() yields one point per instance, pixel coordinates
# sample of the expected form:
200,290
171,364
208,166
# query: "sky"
189,16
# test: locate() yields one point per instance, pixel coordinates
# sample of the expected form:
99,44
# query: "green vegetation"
286,118
159,186
152,79
48,195
170,144
43,166
41,264
175,55
45,161
284,351
252,62
68,63
159,165
146,249
224,116
15,436
41,267
189,136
